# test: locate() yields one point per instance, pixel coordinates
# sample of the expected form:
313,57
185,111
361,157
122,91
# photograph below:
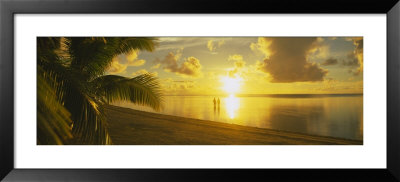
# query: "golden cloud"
156,66
131,59
116,67
263,46
239,64
121,62
190,67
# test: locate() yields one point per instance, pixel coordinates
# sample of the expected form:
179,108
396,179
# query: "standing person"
215,102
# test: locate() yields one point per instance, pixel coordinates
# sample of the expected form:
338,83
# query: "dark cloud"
330,61
212,45
190,67
352,60
287,59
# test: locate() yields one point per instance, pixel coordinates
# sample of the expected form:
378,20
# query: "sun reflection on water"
232,105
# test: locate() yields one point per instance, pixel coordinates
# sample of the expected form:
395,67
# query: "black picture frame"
9,8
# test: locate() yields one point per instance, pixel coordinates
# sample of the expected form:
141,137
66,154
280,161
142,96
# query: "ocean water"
326,115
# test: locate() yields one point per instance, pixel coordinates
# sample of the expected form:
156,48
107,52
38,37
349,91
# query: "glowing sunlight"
232,105
231,85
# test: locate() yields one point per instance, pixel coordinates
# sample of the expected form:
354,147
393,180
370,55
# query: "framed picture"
132,90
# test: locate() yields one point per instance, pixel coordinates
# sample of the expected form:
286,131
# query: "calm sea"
326,115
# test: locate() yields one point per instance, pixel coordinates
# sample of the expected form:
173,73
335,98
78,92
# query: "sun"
231,85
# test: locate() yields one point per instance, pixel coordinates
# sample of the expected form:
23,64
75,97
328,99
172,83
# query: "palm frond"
72,90
48,43
51,50
93,55
90,127
89,124
143,89
127,44
53,119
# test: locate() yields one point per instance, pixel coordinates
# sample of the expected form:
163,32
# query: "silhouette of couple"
215,103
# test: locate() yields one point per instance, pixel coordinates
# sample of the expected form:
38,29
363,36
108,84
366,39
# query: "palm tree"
73,90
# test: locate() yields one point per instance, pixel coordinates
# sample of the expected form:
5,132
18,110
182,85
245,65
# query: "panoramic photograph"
199,91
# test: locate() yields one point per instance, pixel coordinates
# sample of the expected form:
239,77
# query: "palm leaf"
72,90
53,119
89,124
92,56
143,89
125,45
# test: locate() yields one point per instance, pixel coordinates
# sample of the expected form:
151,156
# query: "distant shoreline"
133,127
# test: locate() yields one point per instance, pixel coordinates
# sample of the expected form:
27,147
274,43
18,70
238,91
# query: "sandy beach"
132,127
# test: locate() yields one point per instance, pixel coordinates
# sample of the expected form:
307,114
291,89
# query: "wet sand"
133,127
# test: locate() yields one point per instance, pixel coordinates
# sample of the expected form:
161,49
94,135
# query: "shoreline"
133,127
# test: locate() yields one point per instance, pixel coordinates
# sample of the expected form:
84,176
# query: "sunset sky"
250,65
